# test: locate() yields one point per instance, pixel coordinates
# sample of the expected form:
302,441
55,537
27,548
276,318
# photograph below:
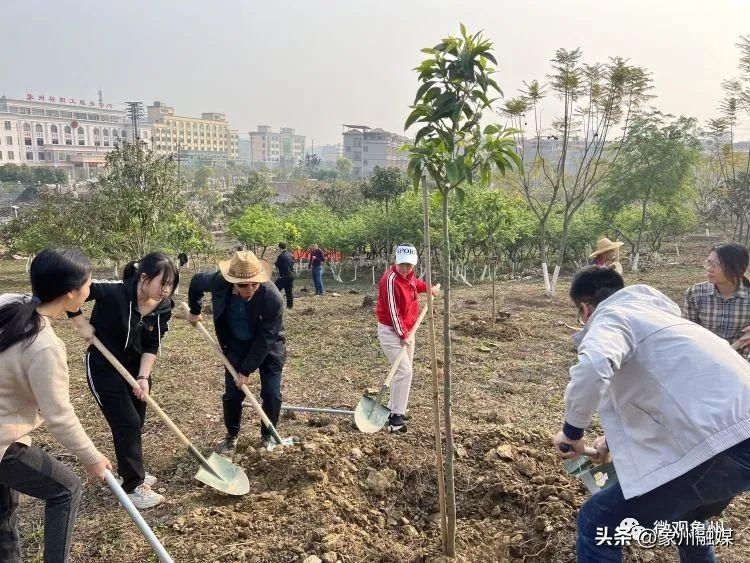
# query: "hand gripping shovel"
595,477
370,415
216,471
128,505
209,339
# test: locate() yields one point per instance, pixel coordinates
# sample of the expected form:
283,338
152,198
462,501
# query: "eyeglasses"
711,265
246,285
580,314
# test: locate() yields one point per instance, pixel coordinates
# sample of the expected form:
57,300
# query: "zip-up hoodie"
119,324
670,393
397,305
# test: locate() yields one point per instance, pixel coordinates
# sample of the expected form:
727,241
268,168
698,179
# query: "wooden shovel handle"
402,353
134,384
215,345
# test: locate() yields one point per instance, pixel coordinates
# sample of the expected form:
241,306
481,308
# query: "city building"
275,150
61,132
205,140
244,151
368,148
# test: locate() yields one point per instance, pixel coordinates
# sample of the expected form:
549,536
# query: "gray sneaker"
144,497
149,480
228,445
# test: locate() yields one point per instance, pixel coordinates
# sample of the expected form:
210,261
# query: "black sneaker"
396,423
228,445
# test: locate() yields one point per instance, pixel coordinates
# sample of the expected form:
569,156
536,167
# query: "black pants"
286,283
270,390
31,471
125,414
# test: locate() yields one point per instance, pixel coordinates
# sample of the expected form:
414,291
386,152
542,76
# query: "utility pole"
101,98
134,112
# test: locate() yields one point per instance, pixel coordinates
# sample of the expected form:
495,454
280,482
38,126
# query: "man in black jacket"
285,267
247,313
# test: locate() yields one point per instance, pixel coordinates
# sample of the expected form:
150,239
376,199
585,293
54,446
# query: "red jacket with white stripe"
397,301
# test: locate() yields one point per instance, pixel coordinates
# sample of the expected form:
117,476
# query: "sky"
314,65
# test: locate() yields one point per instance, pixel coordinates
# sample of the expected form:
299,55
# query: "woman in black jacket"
130,317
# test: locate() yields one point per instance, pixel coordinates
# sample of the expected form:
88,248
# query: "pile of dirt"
505,328
338,496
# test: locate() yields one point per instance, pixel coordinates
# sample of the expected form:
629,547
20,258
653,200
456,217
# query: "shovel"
132,511
216,471
595,477
209,339
370,415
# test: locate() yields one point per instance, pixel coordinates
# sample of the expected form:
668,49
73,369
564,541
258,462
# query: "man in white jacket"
674,401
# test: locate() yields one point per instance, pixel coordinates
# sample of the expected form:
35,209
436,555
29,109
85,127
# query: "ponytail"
19,321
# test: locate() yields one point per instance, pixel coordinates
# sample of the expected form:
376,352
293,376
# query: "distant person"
607,255
285,268
674,402
722,304
397,311
316,269
247,312
182,258
130,317
34,390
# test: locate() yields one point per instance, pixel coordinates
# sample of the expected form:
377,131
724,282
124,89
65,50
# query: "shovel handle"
132,511
151,403
210,340
591,452
402,353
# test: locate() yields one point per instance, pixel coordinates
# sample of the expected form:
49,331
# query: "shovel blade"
224,476
370,416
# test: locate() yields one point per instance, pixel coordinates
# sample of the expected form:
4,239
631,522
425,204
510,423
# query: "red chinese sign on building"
67,101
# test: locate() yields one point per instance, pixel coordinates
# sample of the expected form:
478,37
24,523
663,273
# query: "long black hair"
734,259
153,264
53,273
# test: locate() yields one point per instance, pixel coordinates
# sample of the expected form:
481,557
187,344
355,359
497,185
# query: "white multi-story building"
368,148
275,150
329,154
61,132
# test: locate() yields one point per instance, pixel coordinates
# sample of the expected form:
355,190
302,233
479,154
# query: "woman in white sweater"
34,389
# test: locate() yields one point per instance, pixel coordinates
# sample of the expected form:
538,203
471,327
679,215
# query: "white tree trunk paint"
553,285
635,262
545,273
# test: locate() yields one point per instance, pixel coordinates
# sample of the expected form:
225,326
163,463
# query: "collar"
743,291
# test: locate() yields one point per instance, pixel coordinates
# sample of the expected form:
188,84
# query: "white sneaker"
149,480
144,497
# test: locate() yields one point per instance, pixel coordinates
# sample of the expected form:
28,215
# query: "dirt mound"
342,497
504,329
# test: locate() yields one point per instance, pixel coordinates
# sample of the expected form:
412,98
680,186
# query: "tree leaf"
422,89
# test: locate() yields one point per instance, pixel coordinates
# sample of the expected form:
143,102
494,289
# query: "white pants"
401,383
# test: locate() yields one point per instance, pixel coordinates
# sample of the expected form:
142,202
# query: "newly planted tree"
453,149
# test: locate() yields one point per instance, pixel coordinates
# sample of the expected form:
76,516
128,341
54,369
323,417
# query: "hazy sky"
315,64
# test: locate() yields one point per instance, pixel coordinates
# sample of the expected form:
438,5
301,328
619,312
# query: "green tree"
655,167
344,168
255,190
567,158
453,150
340,196
258,226
135,201
384,186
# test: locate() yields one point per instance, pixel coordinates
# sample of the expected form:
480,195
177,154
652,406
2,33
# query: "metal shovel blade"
370,416
224,476
595,477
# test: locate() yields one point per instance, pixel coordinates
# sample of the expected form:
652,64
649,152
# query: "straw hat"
244,267
603,245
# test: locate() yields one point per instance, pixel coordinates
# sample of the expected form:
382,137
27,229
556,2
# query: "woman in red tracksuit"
397,311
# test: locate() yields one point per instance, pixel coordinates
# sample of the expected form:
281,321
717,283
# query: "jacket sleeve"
690,309
199,285
49,381
608,344
98,290
393,303
421,286
266,334
151,340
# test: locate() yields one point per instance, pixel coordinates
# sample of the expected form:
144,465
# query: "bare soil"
346,496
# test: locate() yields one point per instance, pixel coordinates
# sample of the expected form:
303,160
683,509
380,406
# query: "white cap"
406,254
